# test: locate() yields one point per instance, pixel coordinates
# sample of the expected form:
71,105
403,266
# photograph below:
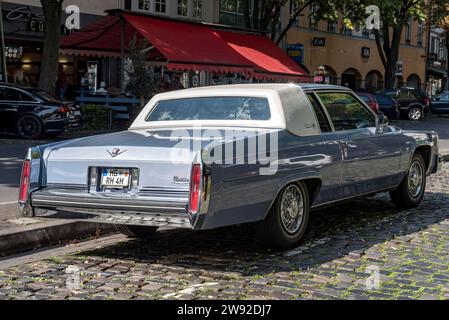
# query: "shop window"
313,21
232,12
419,36
182,8
145,5
408,31
198,9
161,6
294,7
332,27
366,33
347,31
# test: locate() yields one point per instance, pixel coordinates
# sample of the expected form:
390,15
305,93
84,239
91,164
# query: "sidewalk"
19,234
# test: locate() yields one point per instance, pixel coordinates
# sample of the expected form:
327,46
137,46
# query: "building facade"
24,30
437,66
351,57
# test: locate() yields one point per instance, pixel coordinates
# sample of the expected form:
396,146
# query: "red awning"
188,46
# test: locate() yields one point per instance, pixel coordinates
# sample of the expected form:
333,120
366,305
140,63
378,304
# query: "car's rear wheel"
411,192
415,114
137,232
286,224
29,127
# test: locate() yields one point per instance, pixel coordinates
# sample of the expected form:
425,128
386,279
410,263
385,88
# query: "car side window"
12,95
25,97
2,94
324,125
346,112
404,94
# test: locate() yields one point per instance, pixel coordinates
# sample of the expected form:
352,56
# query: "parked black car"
440,104
413,103
388,106
32,113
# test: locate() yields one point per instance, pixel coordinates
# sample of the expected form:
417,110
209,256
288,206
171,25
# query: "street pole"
3,70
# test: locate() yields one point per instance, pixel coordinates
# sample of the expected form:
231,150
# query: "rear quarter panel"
240,194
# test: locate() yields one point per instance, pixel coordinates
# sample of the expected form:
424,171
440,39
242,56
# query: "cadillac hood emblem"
116,152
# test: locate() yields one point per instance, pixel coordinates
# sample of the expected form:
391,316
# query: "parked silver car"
214,157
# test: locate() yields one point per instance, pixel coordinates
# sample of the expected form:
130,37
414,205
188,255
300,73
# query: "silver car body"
335,165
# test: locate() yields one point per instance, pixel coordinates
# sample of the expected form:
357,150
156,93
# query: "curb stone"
22,239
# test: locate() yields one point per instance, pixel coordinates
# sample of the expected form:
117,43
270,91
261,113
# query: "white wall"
93,7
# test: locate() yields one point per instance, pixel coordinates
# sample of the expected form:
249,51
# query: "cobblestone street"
410,249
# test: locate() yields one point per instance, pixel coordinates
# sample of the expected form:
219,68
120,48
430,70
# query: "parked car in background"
413,103
388,106
32,113
440,104
370,100
176,166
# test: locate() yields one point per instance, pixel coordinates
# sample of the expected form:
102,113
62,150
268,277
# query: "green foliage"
140,82
95,117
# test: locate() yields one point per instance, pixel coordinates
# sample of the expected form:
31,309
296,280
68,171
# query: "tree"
395,15
52,10
140,82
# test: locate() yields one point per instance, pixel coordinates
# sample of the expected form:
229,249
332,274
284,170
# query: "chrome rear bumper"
102,208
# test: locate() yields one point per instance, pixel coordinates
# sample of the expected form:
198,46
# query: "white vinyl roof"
289,107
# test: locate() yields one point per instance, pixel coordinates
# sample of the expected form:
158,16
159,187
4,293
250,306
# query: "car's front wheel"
415,114
286,224
137,232
411,191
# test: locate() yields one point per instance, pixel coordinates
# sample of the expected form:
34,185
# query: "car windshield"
213,108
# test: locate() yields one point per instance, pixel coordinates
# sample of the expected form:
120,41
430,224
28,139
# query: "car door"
8,108
327,155
441,104
371,159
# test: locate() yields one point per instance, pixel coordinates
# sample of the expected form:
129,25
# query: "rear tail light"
25,181
375,107
427,102
64,109
195,189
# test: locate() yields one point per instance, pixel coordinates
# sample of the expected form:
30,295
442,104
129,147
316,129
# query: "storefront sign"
296,52
319,42
366,52
432,57
13,53
29,19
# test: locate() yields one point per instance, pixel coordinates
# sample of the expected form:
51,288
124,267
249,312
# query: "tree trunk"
52,10
393,57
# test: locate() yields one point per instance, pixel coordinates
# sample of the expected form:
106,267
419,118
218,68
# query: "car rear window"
213,108
46,96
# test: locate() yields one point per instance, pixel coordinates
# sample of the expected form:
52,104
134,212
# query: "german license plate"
115,178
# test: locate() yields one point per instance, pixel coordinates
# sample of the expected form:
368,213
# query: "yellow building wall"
343,52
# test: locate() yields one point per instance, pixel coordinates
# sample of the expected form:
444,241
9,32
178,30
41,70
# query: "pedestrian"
61,83
19,76
84,83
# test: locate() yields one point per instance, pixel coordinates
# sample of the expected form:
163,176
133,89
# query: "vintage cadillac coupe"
214,157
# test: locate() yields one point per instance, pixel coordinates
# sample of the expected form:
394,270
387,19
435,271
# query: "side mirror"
381,123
